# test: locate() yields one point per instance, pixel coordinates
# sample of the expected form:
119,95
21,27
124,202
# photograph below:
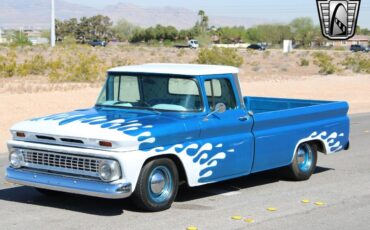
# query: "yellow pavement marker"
236,217
249,220
305,201
191,228
319,203
272,209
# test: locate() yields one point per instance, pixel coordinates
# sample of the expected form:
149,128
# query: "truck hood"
126,129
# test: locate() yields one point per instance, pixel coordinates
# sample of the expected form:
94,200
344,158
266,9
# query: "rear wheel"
157,185
304,162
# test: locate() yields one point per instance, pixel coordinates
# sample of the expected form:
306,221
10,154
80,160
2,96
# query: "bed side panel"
279,133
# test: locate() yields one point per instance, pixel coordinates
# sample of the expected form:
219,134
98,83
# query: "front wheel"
304,162
157,185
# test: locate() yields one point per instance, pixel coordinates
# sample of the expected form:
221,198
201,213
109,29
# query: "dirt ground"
17,104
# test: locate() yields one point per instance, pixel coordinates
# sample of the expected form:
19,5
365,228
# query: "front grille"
62,163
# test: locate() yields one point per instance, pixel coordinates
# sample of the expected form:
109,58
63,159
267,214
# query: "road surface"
341,182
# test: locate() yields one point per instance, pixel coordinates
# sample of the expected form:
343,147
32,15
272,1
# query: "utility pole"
52,29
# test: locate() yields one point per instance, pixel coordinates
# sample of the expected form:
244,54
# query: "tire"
304,162
48,192
157,186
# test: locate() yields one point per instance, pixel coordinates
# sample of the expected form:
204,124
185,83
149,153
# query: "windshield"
164,93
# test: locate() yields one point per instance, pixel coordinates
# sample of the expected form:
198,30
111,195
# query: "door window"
220,91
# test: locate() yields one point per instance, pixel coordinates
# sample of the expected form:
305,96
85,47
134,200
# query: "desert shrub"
357,63
181,53
340,48
304,62
251,52
80,68
256,68
117,61
220,56
324,62
8,64
55,64
35,66
69,40
266,54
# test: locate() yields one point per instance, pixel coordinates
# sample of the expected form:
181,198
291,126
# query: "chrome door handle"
244,118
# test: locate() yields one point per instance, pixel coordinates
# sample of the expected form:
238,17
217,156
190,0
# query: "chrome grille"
64,163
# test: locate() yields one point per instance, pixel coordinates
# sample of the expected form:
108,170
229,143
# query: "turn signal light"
105,143
20,134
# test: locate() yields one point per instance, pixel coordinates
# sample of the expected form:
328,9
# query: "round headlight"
16,159
109,171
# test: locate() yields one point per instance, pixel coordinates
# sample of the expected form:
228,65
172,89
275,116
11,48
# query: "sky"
273,10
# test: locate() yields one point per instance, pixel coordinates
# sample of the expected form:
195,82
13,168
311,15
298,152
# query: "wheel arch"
320,146
179,165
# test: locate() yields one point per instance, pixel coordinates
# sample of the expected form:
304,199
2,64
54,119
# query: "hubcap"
157,182
160,184
304,157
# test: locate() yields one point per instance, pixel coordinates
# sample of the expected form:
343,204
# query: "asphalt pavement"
341,185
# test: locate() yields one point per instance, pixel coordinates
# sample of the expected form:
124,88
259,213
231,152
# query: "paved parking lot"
341,183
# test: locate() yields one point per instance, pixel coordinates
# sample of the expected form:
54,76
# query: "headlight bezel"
115,170
16,158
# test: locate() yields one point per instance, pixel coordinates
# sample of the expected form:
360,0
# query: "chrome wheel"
160,184
304,157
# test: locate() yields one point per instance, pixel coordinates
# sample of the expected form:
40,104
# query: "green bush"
324,62
304,62
358,63
220,56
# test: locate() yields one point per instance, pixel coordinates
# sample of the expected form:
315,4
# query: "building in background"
2,38
355,40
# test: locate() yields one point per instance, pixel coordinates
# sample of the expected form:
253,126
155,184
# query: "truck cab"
156,125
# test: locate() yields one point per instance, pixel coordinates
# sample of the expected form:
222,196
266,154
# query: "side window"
220,91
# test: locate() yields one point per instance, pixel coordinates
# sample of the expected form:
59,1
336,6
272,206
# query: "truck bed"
281,123
265,104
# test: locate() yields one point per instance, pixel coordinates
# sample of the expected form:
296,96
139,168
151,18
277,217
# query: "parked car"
192,44
359,48
98,43
157,125
256,47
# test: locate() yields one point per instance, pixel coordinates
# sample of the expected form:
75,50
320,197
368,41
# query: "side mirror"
219,108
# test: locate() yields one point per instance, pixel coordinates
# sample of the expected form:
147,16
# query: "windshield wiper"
150,108
121,102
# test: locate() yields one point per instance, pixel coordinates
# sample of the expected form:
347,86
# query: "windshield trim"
202,107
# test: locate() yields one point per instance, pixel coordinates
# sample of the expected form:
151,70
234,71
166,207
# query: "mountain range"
36,14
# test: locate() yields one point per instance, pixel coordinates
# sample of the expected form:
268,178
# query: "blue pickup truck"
157,125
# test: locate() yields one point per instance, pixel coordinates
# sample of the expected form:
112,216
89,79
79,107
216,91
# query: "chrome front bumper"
68,184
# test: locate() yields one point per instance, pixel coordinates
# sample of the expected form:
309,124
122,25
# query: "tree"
96,27
66,28
303,30
21,39
203,23
124,30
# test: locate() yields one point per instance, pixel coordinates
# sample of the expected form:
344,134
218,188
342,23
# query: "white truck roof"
177,69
